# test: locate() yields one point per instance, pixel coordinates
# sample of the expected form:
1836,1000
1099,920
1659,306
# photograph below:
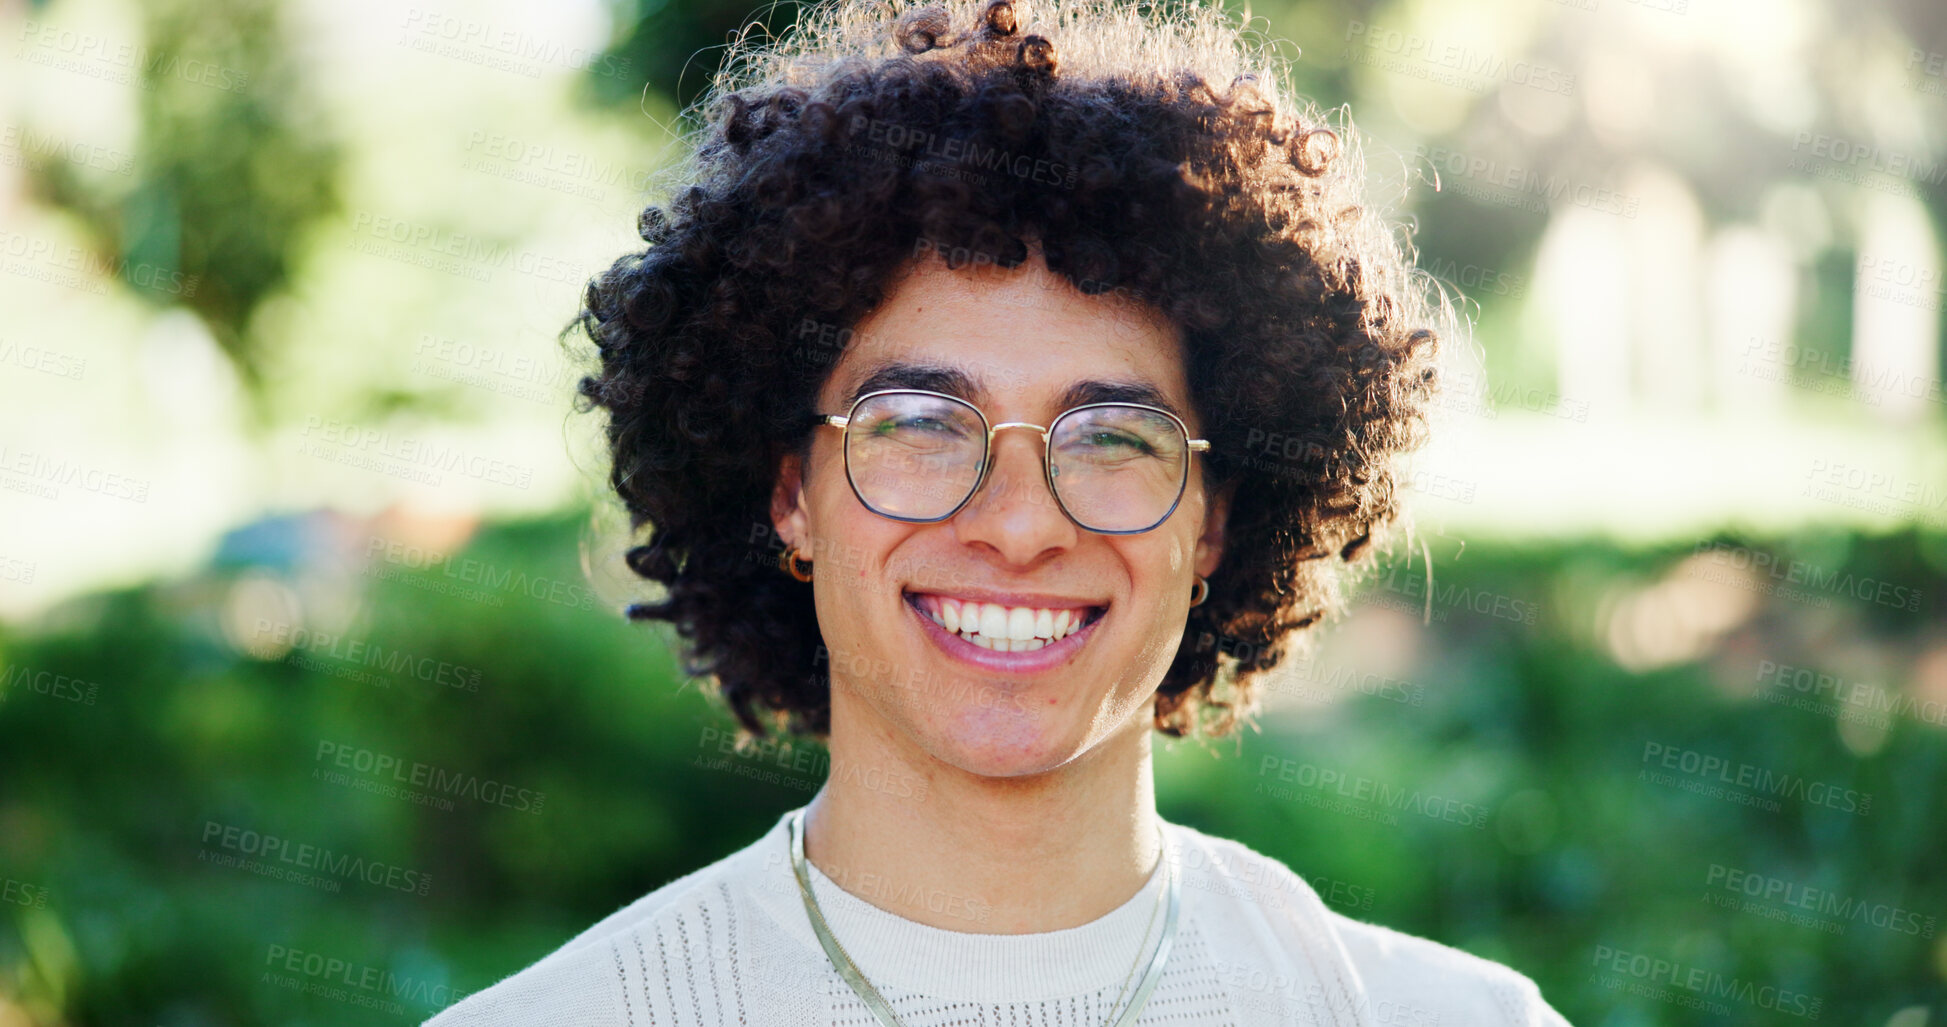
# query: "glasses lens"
912,455
1119,468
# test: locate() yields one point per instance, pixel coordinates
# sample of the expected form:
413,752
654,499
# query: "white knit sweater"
731,944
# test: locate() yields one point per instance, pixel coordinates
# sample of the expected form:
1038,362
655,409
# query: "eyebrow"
955,382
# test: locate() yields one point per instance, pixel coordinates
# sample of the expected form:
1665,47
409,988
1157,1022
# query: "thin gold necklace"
883,1010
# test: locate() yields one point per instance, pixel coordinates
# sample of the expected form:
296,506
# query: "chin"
1004,741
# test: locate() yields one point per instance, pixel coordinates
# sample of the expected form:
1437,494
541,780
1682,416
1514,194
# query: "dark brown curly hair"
1159,154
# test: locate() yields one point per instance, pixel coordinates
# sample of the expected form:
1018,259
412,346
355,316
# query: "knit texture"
731,944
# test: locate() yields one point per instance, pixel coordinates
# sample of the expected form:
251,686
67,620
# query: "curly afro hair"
1159,154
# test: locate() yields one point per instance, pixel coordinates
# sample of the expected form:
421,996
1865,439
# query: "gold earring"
1200,591
787,561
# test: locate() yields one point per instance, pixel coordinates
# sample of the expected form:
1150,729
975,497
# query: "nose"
1013,512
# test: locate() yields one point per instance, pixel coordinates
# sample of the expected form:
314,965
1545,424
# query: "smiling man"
1036,761
982,313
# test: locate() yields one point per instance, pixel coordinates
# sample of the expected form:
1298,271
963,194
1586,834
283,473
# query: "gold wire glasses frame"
986,464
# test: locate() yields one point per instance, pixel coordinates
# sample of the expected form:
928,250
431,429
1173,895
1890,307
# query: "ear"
1210,544
788,514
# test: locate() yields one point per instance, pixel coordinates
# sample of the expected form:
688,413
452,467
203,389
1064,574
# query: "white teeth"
1004,629
1006,645
993,621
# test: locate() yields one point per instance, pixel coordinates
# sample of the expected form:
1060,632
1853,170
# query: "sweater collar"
897,954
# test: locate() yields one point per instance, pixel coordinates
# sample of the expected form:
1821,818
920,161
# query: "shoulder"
1401,979
1412,981
586,980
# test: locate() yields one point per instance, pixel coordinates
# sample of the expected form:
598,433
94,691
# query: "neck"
964,852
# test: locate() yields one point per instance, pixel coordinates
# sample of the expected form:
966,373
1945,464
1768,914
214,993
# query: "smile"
1005,638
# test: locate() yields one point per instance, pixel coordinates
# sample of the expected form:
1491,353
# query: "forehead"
1023,338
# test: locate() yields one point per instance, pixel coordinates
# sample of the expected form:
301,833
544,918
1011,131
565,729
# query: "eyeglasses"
918,456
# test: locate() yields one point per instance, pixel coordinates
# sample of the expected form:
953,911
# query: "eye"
929,425
1111,439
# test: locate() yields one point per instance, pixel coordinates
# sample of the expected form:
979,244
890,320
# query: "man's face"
1021,338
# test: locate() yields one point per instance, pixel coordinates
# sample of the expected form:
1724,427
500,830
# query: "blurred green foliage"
176,725
236,161
675,47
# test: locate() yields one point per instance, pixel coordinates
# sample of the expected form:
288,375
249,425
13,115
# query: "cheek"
857,552
1179,554
1167,556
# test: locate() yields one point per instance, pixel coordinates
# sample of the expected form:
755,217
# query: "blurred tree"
674,46
235,161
